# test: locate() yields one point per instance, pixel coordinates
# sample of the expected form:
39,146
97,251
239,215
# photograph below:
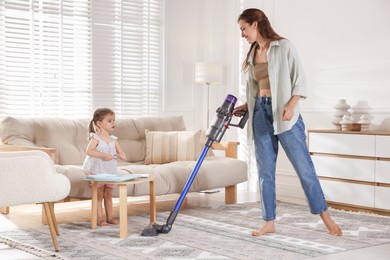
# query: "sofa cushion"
215,172
131,133
165,147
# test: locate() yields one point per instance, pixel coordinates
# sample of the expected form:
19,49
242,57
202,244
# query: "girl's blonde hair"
98,115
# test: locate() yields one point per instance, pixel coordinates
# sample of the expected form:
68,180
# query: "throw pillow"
165,147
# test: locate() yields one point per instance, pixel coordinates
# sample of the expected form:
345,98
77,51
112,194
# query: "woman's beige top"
260,74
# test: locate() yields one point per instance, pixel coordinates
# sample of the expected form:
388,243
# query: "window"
68,57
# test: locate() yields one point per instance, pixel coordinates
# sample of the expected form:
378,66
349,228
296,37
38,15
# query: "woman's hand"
288,110
243,107
287,113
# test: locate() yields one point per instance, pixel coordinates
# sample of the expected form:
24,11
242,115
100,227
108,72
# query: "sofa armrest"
13,148
230,148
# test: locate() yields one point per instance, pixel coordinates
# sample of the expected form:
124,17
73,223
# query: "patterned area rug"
215,233
26,250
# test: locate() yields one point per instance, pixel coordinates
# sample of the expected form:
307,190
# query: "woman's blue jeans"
294,144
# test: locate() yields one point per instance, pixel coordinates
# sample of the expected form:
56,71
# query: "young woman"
276,83
103,152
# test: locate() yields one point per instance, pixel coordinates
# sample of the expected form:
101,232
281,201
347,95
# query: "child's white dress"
97,165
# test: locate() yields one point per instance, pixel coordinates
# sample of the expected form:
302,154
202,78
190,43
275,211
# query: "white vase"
346,123
361,108
341,109
364,122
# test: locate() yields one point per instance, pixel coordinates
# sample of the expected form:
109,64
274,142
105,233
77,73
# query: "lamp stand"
207,73
207,104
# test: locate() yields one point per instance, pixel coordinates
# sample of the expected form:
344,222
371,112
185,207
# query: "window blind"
46,57
68,57
142,57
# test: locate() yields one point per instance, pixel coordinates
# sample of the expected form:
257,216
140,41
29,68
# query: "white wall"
344,46
199,30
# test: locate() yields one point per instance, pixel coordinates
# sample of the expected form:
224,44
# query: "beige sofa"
66,141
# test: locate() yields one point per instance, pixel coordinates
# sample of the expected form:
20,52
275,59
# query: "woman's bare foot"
113,221
332,227
102,222
268,227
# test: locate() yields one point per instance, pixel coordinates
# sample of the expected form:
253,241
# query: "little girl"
103,151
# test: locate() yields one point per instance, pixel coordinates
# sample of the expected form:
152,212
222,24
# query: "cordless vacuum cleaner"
214,133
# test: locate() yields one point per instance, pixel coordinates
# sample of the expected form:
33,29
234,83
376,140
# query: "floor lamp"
208,73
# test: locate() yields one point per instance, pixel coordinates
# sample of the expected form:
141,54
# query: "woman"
276,82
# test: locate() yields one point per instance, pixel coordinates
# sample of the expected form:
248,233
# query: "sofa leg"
5,210
44,219
231,194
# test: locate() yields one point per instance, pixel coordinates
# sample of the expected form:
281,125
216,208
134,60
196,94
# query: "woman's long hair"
263,26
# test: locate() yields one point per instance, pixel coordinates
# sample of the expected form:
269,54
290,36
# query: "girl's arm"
91,151
121,154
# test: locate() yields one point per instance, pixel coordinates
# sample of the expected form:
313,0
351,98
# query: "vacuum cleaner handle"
244,114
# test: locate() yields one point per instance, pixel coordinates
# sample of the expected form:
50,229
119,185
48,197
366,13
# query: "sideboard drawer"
383,146
382,171
345,144
349,193
353,167
344,168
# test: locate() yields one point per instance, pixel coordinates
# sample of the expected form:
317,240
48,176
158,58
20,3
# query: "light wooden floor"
30,216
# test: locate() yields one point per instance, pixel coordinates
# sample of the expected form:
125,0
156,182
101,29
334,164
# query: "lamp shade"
208,72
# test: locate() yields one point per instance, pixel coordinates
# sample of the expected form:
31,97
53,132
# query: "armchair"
28,177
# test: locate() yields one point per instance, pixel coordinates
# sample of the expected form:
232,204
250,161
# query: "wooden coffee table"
123,202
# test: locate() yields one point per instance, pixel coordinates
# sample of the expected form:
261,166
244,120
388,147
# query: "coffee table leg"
94,206
152,202
123,210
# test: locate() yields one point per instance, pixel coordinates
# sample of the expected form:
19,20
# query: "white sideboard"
353,168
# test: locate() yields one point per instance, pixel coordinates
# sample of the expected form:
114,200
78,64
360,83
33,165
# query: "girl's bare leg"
268,227
100,216
108,206
332,227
